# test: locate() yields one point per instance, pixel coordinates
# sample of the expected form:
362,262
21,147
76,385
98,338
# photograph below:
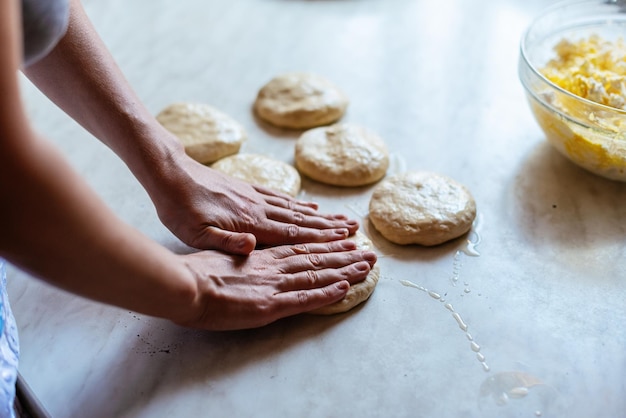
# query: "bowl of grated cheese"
573,69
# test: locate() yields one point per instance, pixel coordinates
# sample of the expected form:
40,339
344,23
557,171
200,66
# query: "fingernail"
343,232
370,257
363,266
343,285
348,245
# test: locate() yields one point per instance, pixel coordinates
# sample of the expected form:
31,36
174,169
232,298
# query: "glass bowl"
590,134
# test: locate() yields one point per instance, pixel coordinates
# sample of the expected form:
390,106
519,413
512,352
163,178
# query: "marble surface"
540,282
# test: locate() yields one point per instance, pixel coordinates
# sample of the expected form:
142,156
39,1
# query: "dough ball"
342,155
358,292
261,171
206,133
300,101
421,208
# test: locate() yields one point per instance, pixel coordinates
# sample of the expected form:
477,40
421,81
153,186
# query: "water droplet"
459,321
475,347
434,295
409,283
480,357
518,392
473,238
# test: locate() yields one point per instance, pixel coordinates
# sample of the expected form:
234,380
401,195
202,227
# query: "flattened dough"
206,133
261,171
358,292
300,101
342,155
421,207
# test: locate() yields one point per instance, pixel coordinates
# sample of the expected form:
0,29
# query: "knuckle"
298,217
303,297
265,310
292,231
300,249
315,259
312,277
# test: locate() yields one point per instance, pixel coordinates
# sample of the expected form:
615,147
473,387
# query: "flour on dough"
261,171
342,155
358,292
206,133
421,207
300,101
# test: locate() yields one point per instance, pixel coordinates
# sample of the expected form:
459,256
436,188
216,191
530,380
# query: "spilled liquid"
457,318
468,249
502,394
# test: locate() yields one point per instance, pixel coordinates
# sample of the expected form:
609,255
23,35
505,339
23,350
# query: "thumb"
231,242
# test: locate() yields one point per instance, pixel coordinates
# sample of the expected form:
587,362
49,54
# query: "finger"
291,204
302,207
231,242
313,279
278,233
319,261
310,221
299,301
284,200
326,247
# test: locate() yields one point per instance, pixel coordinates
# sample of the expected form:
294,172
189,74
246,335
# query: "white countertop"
544,301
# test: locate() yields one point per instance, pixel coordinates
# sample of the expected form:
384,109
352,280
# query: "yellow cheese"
592,68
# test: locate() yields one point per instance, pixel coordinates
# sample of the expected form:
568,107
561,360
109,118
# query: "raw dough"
421,207
300,101
261,171
342,155
358,292
206,133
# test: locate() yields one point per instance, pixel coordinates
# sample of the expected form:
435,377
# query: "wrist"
154,155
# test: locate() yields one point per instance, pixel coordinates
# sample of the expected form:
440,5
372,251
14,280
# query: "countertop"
539,283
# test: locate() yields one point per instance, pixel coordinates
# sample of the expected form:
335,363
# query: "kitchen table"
522,317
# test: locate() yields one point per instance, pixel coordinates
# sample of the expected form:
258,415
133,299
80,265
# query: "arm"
54,226
201,206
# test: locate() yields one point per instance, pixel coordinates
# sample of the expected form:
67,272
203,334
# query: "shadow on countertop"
565,212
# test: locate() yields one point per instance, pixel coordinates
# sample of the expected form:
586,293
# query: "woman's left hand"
207,209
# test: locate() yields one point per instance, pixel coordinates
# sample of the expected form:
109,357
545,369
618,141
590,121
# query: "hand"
210,210
237,292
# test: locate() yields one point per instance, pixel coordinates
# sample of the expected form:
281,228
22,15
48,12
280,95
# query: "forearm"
82,78
55,227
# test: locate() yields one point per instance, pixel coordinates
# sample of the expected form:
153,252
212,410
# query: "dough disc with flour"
300,101
206,133
342,155
358,292
261,171
421,208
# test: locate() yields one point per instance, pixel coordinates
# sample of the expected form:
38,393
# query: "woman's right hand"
237,292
